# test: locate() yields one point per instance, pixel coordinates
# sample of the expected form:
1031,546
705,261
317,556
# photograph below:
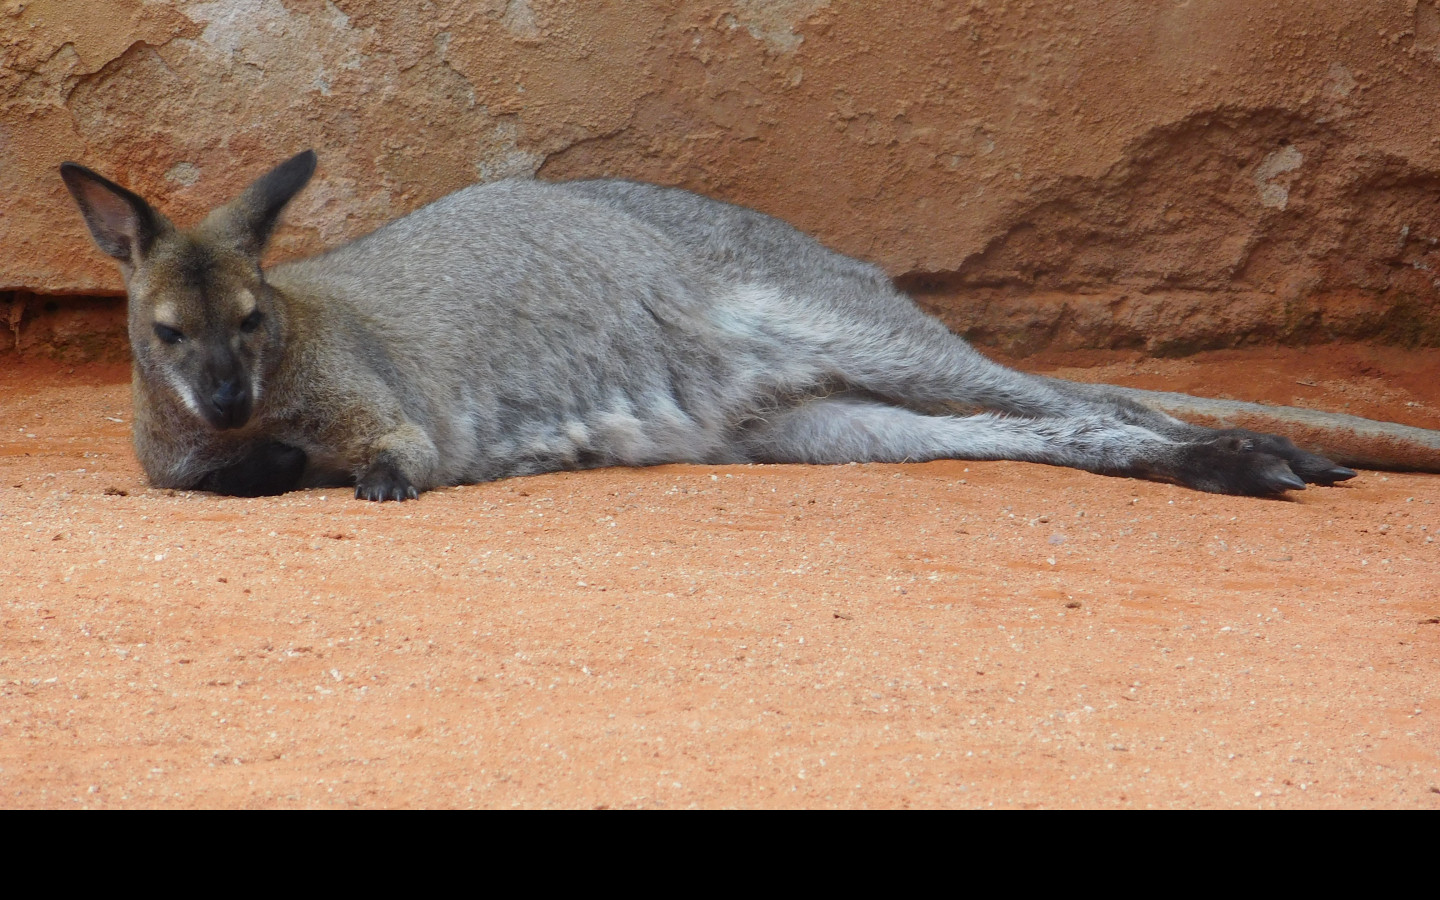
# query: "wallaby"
522,327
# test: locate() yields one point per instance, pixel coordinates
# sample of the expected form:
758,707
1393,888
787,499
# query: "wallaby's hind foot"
1311,467
1348,440
1232,464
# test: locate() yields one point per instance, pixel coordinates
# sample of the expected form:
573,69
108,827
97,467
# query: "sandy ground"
946,634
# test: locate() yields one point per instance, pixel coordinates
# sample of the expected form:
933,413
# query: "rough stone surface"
1166,176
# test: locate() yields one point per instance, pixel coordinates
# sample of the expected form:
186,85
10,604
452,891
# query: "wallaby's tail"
1348,440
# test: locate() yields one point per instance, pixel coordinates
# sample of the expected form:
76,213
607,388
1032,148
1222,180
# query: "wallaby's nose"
231,404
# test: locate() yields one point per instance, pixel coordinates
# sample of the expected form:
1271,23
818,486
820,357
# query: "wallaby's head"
203,322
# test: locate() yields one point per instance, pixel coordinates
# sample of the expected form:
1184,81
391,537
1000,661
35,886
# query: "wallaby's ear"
250,218
121,222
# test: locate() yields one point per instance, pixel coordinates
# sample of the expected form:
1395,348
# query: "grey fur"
523,327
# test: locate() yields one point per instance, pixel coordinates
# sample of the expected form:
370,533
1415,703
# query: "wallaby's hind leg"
881,343
905,356
845,428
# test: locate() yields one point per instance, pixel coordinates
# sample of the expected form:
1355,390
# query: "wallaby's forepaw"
1312,468
270,468
383,480
1231,464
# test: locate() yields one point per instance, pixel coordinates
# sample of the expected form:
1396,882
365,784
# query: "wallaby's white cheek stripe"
182,390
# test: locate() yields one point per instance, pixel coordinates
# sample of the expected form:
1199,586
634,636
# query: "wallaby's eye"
252,321
167,334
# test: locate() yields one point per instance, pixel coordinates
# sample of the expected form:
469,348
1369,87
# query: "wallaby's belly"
618,429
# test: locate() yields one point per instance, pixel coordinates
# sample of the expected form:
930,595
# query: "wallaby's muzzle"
229,405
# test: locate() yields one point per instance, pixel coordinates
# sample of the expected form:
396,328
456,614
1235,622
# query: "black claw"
1328,475
383,495
1287,481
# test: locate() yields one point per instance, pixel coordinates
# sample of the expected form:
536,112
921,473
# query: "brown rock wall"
1166,175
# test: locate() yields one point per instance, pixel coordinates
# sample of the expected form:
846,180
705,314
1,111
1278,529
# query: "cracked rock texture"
1168,175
